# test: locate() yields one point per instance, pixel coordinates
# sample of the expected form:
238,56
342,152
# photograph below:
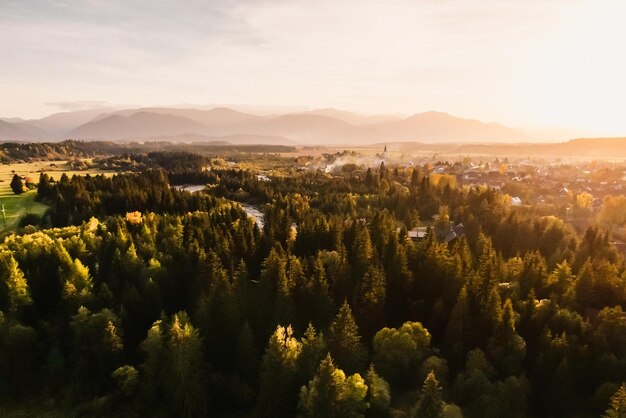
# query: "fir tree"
617,408
17,185
344,341
430,404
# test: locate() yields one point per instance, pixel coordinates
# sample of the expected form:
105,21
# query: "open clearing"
16,206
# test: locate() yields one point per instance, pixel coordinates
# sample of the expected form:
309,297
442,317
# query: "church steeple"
385,152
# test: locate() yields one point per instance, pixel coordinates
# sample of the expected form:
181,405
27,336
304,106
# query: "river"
254,213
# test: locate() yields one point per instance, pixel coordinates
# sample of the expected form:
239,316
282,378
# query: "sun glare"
575,77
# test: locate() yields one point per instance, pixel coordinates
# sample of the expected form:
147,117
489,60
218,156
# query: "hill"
59,124
433,127
138,125
317,127
20,131
219,116
353,118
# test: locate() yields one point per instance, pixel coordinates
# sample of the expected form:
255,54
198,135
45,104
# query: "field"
15,206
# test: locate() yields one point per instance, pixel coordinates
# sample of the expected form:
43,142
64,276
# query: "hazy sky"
523,63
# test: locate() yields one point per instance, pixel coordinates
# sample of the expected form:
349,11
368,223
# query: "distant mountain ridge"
21,131
137,125
600,148
321,126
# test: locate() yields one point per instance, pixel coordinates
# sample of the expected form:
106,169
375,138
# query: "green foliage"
174,367
17,185
14,291
97,348
127,379
344,341
18,360
430,404
378,394
521,316
398,353
277,397
331,394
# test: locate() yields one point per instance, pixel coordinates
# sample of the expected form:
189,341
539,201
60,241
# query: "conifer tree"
362,250
278,388
371,302
506,347
331,394
185,373
430,404
344,341
14,290
17,185
314,348
378,394
617,407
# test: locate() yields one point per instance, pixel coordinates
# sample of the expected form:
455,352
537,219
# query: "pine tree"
247,357
382,171
331,394
430,404
17,185
399,282
378,394
314,348
617,408
362,250
319,397
14,290
174,370
560,280
344,341
584,286
506,347
371,302
459,326
278,375
184,380
318,291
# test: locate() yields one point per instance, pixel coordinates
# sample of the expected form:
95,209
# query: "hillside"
20,131
317,127
353,118
138,125
218,116
432,127
58,124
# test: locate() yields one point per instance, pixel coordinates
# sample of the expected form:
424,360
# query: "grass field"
16,206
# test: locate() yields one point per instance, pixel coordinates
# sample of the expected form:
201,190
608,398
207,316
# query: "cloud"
476,59
72,106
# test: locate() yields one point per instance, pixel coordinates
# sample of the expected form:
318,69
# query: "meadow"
16,206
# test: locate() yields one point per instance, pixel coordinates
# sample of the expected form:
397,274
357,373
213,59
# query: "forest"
11,152
133,298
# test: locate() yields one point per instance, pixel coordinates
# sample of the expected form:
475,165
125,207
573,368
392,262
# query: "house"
417,234
420,233
455,232
596,204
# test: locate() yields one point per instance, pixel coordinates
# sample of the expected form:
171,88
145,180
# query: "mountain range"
316,127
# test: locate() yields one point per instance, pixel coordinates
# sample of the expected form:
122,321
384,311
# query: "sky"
524,63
